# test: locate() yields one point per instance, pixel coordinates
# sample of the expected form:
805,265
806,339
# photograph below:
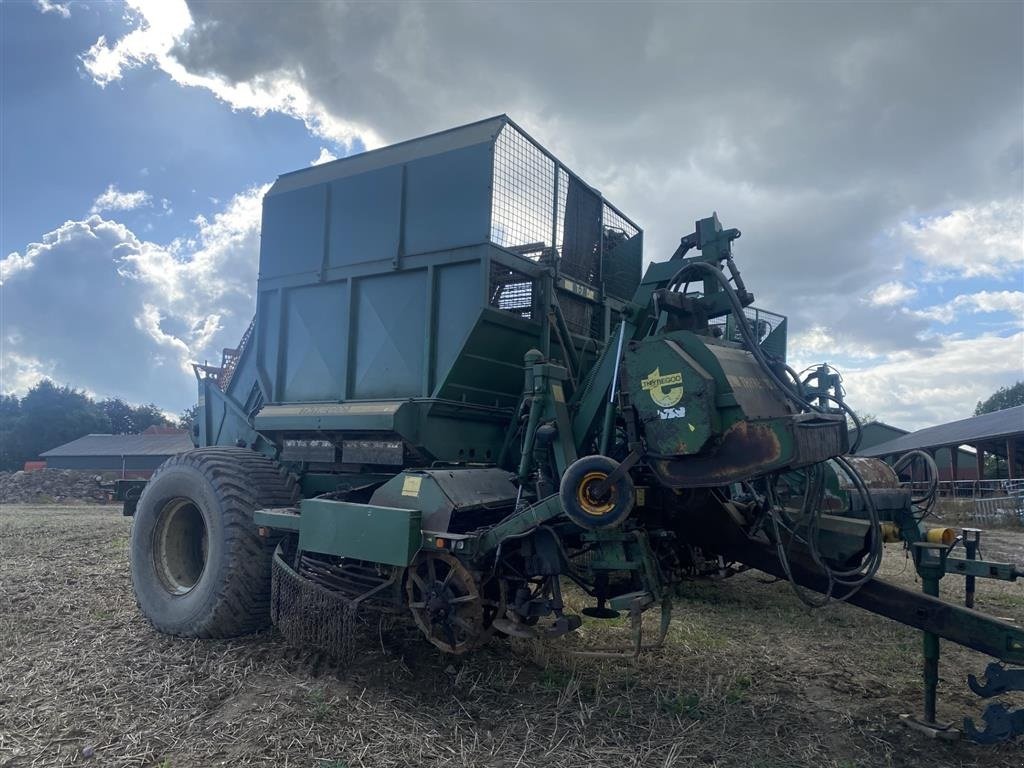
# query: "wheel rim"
597,505
180,546
447,603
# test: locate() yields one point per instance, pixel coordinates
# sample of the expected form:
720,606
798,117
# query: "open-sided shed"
1000,433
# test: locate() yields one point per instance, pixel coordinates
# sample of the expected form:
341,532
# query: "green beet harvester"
461,390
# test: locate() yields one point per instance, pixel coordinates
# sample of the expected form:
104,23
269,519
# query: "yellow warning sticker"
411,485
664,390
559,394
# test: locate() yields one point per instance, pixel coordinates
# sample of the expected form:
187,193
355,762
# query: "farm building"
999,434
123,455
878,432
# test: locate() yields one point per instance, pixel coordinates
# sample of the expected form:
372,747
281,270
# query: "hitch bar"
964,626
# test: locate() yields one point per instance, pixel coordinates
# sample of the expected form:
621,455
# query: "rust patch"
875,473
746,449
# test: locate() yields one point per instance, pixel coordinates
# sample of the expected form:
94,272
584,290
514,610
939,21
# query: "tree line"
50,415
1004,397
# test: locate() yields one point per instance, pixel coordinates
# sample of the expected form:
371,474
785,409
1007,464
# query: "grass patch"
319,707
681,705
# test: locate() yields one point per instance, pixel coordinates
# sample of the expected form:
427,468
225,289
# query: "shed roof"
998,425
123,445
878,423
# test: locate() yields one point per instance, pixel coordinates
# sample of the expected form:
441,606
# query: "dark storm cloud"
816,128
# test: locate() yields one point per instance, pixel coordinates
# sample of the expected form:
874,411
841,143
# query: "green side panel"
267,338
673,394
292,237
365,217
621,267
369,416
448,199
489,369
390,335
362,531
277,519
314,366
459,296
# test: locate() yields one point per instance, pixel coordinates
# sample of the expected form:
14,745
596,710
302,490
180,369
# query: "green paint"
364,531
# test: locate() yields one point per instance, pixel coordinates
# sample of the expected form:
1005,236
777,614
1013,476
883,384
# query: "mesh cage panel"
511,291
523,193
538,204
762,323
310,616
612,219
563,193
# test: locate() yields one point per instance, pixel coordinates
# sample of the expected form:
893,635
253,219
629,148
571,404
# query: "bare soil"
748,677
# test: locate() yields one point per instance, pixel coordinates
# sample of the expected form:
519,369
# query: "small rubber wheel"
198,566
582,499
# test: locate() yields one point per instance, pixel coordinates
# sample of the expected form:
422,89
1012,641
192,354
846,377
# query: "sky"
871,153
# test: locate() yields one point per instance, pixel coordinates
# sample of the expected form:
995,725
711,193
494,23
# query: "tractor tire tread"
243,481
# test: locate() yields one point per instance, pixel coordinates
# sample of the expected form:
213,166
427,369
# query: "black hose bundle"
926,502
851,579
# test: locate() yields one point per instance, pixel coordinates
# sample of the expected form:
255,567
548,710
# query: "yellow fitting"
945,536
890,533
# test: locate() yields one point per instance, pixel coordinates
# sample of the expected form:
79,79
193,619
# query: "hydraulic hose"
744,327
927,501
851,578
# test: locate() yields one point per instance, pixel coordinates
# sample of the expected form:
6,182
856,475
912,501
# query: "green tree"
127,419
1004,397
52,415
10,452
145,416
120,414
188,418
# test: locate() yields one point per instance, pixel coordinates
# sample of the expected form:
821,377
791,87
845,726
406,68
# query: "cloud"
915,390
831,141
977,303
160,26
893,292
325,156
832,129
113,199
985,240
19,372
61,9
133,313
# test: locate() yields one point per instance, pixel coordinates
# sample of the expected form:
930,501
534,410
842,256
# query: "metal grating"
538,205
762,323
511,291
563,193
523,194
612,219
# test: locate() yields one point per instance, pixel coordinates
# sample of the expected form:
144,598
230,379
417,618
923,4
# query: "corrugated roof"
123,445
1008,422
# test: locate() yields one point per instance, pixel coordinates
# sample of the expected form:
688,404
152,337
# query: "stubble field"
748,677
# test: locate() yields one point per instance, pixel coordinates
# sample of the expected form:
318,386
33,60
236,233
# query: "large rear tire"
198,566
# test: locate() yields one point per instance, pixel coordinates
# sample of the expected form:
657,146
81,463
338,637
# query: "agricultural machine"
462,392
